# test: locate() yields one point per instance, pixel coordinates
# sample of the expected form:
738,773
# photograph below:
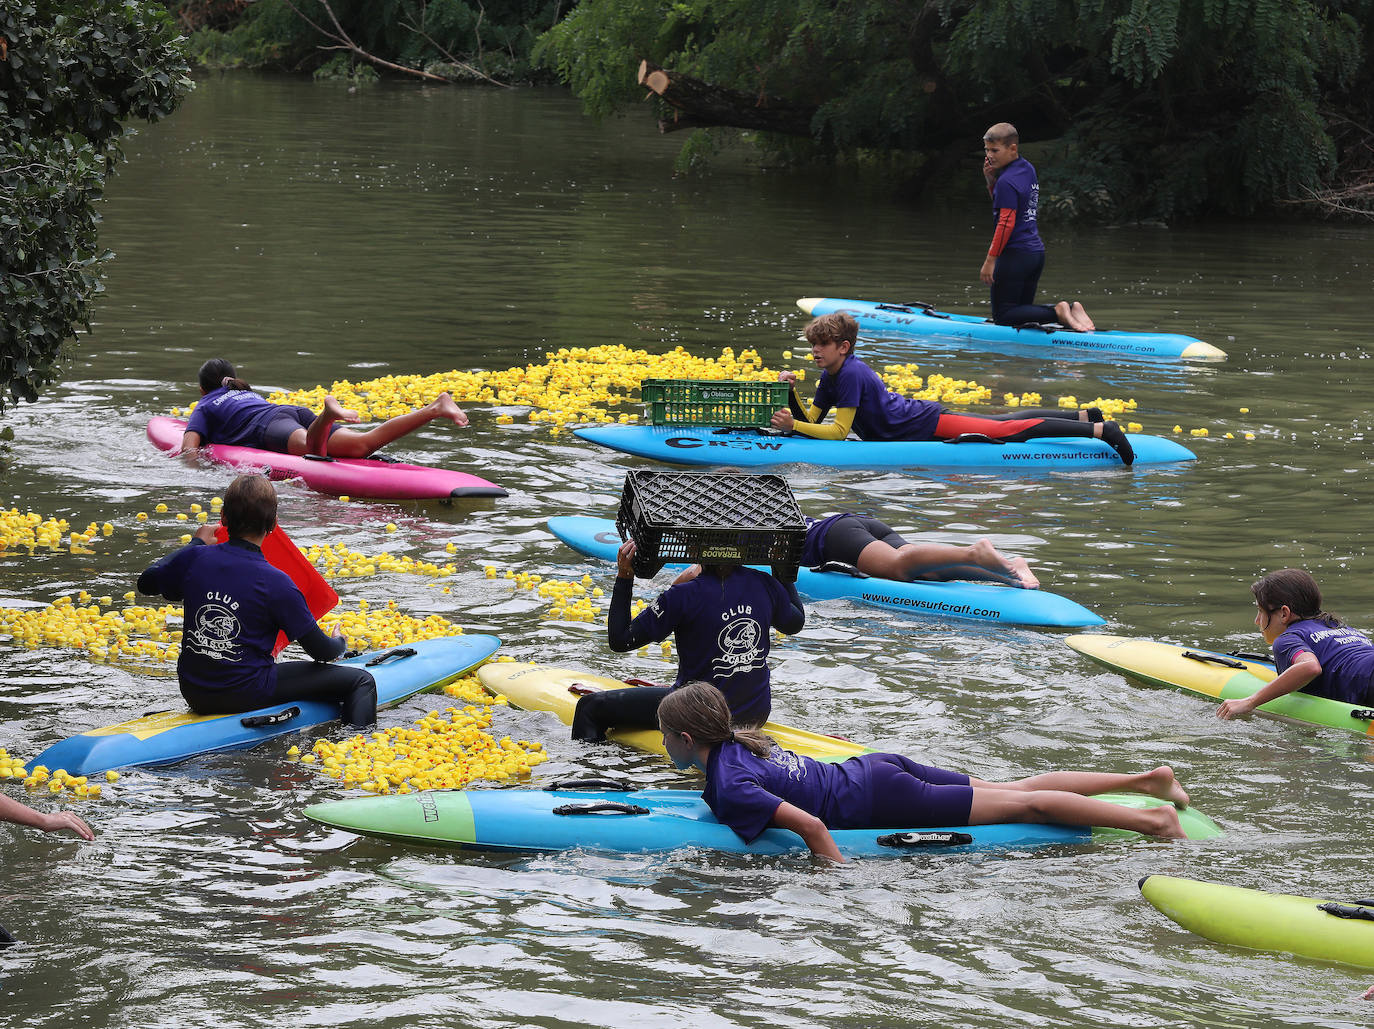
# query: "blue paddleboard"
597,537
657,821
166,737
883,319
751,448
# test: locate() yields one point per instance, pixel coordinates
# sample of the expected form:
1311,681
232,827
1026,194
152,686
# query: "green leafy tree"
1162,108
71,73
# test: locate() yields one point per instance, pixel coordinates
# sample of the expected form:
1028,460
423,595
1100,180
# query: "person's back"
880,413
1346,658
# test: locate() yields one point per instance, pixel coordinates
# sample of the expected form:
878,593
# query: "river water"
312,234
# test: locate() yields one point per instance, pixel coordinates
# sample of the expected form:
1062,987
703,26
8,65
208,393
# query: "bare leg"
943,562
362,443
317,436
994,805
1158,782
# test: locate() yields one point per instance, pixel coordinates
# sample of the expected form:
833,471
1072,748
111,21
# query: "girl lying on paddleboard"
722,619
863,403
1314,651
231,414
752,784
876,549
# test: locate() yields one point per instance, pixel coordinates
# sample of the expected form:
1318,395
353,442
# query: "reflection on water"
312,235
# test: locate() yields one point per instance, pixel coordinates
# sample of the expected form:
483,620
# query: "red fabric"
285,556
1006,221
951,425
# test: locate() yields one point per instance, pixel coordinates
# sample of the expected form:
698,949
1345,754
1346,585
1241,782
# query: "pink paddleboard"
358,477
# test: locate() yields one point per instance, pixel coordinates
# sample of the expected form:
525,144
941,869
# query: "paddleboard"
753,448
166,737
1218,676
1307,926
979,601
657,821
883,319
341,476
543,688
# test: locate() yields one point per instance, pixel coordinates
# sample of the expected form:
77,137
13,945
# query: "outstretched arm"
22,814
1294,677
810,828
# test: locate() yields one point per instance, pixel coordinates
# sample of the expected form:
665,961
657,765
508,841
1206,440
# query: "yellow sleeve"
838,429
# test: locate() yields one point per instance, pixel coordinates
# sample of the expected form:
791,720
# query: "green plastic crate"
723,402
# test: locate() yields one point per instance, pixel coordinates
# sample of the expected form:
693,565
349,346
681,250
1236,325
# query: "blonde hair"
698,708
1003,132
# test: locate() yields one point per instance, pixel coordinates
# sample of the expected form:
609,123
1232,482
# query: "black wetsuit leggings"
1015,278
349,685
633,708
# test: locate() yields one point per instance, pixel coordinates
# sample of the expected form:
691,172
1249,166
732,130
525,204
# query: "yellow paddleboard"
542,688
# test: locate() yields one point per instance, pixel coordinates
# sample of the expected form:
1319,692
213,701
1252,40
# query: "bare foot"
1166,822
1021,567
1085,324
1162,784
338,411
446,408
1064,314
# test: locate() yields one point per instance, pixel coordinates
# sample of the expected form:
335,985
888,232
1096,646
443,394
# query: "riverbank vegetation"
72,72
1161,111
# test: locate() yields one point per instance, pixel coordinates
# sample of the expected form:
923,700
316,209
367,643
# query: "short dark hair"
213,373
250,506
832,328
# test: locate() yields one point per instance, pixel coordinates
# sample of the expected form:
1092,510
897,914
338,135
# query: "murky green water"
311,234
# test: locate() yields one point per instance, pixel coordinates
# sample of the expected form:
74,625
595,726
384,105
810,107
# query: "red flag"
285,556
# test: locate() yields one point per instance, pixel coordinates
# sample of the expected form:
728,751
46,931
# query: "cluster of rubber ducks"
25,530
55,781
442,750
340,561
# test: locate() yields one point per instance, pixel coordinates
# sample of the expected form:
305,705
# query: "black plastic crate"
711,518
733,403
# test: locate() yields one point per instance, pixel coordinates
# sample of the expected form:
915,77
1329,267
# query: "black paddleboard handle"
1367,713
317,457
590,783
913,840
1262,658
840,568
396,654
1347,910
601,807
1215,659
276,718
974,437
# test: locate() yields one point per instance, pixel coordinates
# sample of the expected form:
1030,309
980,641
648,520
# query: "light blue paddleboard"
166,737
597,537
657,821
750,448
885,319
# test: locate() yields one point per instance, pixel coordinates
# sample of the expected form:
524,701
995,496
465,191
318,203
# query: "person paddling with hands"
57,821
235,605
721,617
864,405
1314,651
230,413
752,784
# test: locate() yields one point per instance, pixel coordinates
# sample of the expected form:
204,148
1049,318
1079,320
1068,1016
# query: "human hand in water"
782,420
1231,708
60,820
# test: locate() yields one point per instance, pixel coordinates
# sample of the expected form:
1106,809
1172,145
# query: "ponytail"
700,710
217,373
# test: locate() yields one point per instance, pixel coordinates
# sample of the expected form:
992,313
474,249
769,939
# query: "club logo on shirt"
739,646
215,634
788,762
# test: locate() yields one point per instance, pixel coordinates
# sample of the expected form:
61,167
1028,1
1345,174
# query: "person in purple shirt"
752,784
230,413
864,405
1314,651
1017,255
235,604
721,618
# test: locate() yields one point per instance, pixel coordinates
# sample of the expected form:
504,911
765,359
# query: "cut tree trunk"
699,104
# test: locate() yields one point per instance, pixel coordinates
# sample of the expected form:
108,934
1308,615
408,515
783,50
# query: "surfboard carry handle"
396,654
1367,713
1215,659
1347,910
644,682
275,718
910,306
601,807
912,840
1248,657
755,430
589,783
841,568
974,437
317,457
